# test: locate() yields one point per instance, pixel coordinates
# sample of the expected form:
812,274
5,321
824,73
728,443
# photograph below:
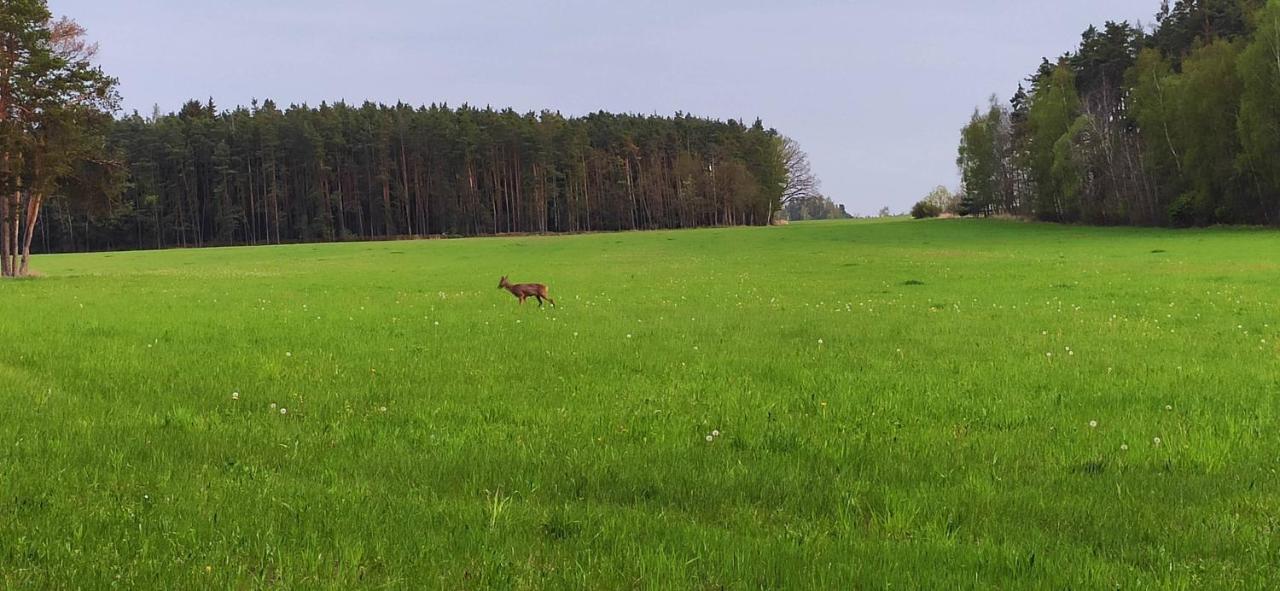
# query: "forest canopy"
1177,125
262,174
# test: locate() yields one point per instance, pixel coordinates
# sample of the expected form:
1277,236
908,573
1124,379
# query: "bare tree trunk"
33,214
404,186
5,246
15,225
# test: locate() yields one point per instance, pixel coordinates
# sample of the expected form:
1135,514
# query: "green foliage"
1259,122
1054,107
940,200
979,159
1154,92
1185,24
1206,125
817,207
53,106
925,209
894,410
1177,127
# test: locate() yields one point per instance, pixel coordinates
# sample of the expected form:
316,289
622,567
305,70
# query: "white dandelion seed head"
1124,447
284,411
628,335
273,406
819,341
1156,440
382,409
1093,424
710,438
1168,407
235,396
715,433
288,354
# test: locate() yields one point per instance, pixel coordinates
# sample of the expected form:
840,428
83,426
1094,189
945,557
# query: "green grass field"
943,404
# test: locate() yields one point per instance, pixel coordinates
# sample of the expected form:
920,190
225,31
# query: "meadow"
845,405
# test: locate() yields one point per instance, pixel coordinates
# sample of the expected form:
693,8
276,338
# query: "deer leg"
539,300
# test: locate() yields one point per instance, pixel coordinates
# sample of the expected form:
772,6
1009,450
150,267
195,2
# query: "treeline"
1178,125
814,207
261,174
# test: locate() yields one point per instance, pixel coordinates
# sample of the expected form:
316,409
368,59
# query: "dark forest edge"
1175,126
262,174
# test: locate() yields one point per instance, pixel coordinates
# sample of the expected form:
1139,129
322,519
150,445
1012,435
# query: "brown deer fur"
525,290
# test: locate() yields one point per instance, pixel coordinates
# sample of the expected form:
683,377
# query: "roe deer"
524,290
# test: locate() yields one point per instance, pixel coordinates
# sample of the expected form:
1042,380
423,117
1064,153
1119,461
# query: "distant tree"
1054,107
943,199
925,209
965,205
815,207
885,213
1259,119
800,183
1206,100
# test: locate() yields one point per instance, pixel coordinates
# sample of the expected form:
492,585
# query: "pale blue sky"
874,90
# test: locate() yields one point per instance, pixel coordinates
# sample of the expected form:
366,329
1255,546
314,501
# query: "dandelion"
1124,447
382,409
628,335
1156,441
288,354
819,341
1093,424
1168,407
235,396
710,439
715,433
273,406
284,411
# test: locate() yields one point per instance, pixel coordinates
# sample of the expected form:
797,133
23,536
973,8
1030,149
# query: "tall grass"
944,404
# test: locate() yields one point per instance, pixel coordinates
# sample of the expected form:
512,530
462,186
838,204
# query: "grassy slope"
873,432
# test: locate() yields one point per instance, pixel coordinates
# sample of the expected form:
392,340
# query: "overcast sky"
875,90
